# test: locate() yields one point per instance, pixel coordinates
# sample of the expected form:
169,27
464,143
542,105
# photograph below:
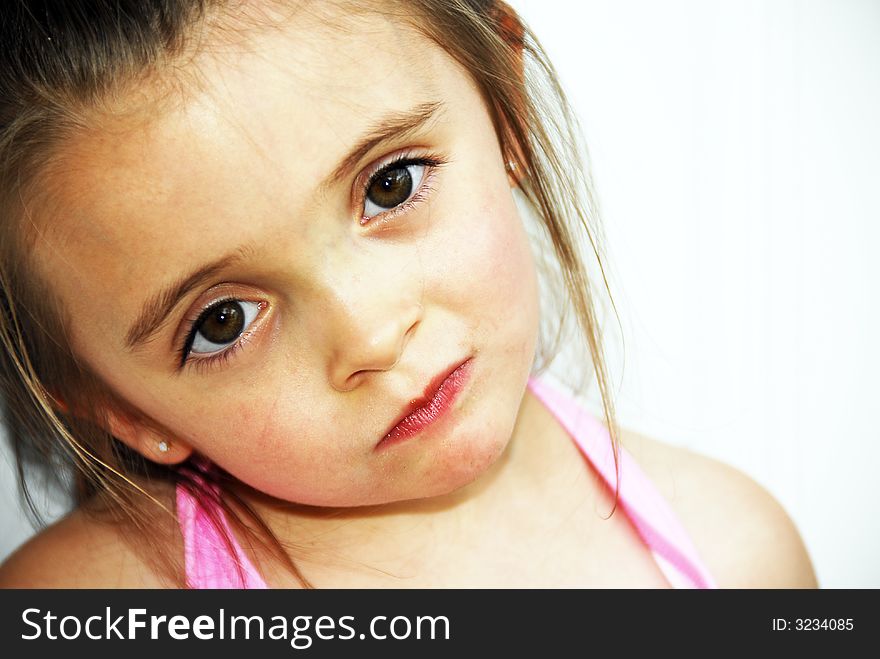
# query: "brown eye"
222,324
392,186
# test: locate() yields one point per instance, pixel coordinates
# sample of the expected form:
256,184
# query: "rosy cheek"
499,258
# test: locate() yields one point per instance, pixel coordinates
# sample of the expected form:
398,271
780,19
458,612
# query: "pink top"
211,562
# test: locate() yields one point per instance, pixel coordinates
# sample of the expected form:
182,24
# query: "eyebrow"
159,305
393,125
157,308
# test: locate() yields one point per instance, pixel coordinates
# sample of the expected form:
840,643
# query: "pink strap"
651,515
207,561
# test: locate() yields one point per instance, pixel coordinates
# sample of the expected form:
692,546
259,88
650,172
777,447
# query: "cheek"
278,425
501,278
291,455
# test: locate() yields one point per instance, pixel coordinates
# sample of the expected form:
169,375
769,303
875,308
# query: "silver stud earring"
162,446
510,166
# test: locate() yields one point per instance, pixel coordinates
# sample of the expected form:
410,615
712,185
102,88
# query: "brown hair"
61,61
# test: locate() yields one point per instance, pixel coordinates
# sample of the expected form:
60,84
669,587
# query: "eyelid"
379,164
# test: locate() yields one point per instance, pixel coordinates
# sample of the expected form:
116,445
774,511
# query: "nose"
368,335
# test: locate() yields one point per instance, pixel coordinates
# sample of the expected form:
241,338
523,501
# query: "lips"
438,396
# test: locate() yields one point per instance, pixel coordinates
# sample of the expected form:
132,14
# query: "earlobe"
168,452
512,175
150,443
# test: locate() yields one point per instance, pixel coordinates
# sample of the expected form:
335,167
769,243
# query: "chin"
469,453
461,461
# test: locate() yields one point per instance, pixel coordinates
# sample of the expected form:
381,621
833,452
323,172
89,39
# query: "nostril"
350,383
415,323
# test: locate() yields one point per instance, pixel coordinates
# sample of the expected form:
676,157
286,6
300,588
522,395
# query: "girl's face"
276,266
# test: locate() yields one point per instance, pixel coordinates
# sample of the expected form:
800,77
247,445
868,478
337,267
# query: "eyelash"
431,162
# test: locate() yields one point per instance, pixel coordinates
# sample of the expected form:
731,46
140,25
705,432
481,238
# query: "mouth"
436,400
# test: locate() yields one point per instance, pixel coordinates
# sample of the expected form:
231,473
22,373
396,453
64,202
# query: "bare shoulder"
740,530
78,551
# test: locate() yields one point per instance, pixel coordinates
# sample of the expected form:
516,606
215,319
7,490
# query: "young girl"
271,301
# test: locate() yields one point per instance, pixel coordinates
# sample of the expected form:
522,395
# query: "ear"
152,443
510,29
139,435
58,403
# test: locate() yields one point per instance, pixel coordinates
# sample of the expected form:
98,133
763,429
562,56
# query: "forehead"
288,94
154,190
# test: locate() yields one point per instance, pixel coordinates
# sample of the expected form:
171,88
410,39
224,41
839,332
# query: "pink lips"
422,412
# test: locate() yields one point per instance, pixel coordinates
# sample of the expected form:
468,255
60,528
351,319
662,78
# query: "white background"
735,150
736,153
